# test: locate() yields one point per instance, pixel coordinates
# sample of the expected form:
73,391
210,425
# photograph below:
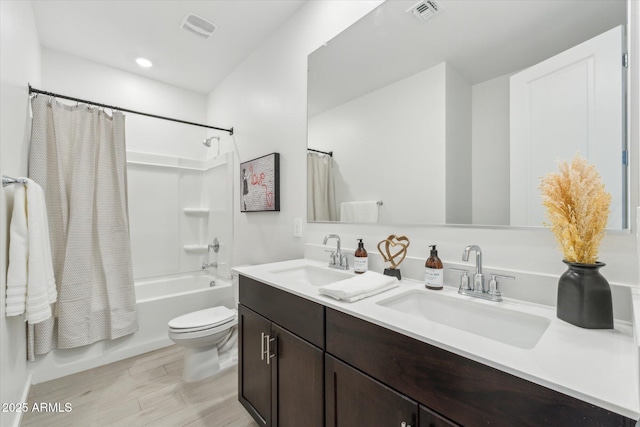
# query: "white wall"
69,75
490,147
265,100
364,135
458,148
19,65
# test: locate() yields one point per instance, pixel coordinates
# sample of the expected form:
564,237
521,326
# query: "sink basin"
511,327
311,275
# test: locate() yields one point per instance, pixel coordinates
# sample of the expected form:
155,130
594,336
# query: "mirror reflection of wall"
418,114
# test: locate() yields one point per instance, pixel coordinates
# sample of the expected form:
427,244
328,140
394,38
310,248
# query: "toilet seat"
202,320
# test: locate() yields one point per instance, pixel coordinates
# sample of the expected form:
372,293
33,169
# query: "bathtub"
161,299
199,284
158,301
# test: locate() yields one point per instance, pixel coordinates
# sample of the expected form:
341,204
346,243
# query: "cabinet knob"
404,424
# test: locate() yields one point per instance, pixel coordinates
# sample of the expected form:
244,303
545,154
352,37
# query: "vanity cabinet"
301,363
280,375
464,391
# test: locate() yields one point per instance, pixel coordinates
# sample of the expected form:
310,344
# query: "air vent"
198,25
425,9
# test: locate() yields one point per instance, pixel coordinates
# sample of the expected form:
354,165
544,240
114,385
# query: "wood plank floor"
146,390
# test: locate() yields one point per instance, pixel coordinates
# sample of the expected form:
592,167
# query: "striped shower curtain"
78,157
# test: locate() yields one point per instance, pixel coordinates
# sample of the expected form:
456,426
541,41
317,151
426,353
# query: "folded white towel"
361,286
31,285
366,212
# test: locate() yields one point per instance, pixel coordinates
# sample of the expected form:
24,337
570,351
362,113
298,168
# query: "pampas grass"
577,209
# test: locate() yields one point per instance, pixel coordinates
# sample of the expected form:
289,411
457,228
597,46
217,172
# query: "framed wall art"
260,184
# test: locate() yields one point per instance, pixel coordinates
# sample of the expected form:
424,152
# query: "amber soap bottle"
433,271
360,259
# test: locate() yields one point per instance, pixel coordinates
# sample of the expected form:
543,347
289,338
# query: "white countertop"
597,366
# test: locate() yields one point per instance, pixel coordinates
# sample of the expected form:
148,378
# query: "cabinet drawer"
466,391
302,317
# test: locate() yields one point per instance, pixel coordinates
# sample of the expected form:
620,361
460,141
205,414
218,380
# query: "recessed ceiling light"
144,62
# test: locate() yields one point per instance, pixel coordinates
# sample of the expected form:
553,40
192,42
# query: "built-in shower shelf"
195,248
196,211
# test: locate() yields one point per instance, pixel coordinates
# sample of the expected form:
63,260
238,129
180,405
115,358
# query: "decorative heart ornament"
391,242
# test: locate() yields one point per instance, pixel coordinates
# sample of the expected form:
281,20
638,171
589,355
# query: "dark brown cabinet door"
428,418
254,374
355,399
298,385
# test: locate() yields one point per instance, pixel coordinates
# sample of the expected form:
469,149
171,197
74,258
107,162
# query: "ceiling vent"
425,9
198,25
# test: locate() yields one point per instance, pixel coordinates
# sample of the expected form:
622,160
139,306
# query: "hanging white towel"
361,286
31,286
366,211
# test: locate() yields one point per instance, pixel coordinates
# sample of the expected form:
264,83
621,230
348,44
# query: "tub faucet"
478,278
337,259
210,264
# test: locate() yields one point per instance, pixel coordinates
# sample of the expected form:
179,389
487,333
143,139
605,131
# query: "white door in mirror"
570,103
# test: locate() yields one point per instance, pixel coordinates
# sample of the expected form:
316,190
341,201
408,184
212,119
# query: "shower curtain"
78,157
321,197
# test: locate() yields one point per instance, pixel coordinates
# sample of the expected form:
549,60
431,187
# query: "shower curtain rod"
96,104
328,153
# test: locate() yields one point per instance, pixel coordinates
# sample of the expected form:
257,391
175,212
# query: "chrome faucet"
478,278
337,259
476,288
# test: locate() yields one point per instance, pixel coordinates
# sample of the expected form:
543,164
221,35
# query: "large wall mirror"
453,118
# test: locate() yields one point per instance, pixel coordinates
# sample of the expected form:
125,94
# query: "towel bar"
7,180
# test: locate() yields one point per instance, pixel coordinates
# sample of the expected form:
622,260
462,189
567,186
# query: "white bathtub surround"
597,366
86,195
177,207
158,301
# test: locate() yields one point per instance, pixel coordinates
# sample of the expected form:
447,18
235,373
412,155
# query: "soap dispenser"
433,271
360,259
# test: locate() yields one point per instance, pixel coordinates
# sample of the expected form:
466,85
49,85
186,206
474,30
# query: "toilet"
208,338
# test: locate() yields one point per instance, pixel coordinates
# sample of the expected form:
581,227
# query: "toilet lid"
209,317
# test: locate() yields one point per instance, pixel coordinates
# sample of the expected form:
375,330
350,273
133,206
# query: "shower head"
207,142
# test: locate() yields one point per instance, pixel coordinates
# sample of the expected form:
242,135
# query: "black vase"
584,297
